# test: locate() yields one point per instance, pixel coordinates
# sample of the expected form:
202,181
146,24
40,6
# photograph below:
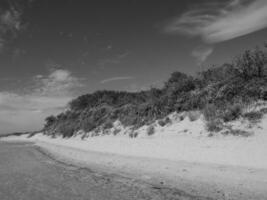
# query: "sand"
179,155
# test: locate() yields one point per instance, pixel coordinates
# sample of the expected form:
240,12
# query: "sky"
51,51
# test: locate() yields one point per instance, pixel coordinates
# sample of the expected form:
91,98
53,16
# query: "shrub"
168,120
264,94
253,116
165,121
161,123
150,130
181,118
50,120
66,130
106,132
263,110
84,135
87,125
108,125
97,129
238,132
116,131
133,134
179,82
214,126
225,111
210,112
193,115
232,112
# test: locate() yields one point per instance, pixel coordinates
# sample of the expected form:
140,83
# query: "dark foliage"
219,92
253,116
164,122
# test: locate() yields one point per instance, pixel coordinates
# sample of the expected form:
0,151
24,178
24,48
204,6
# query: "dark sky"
54,50
100,39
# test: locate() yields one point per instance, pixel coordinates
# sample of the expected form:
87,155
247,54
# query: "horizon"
54,51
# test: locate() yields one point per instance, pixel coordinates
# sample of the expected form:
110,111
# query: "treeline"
218,92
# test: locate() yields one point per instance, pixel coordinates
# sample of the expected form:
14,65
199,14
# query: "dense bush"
253,116
214,125
232,112
219,92
164,121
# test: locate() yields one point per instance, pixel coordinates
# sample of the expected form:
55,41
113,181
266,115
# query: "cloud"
202,53
48,95
116,59
119,78
221,21
59,82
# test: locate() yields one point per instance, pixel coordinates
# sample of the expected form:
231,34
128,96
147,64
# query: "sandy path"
214,181
29,174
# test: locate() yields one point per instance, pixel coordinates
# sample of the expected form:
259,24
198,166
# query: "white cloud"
58,82
217,22
202,53
49,95
118,78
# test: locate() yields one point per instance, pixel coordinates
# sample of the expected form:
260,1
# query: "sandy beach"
211,180
27,173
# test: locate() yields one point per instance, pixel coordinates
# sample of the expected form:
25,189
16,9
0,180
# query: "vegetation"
219,92
164,122
150,130
253,116
193,115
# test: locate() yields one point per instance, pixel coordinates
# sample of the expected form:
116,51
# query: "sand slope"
220,167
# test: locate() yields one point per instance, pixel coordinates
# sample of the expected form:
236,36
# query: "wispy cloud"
218,21
221,21
48,95
202,53
11,23
115,59
118,78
